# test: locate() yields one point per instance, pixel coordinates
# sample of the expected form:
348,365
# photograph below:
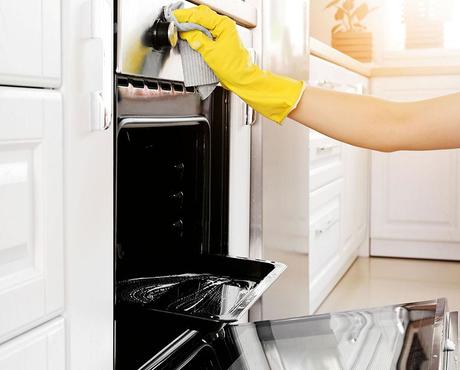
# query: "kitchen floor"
372,282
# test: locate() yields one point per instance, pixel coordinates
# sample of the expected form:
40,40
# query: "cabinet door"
325,257
355,231
30,42
415,195
240,167
240,179
31,266
40,349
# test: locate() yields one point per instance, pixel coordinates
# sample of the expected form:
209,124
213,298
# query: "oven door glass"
397,337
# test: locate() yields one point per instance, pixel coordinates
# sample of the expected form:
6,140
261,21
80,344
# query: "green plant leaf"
339,14
332,3
361,12
336,28
348,5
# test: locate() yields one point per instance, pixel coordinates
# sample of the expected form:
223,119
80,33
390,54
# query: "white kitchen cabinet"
356,195
325,160
88,202
40,349
31,225
326,207
240,180
415,195
240,166
339,228
30,43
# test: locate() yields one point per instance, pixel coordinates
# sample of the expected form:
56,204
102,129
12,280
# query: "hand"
271,95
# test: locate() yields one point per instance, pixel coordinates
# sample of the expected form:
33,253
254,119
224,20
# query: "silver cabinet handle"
326,148
343,87
101,69
326,227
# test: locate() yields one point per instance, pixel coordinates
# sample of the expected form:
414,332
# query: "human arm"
379,124
358,120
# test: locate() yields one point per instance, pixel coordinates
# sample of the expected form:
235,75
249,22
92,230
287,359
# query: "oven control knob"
161,36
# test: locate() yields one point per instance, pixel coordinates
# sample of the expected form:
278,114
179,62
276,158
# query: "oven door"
418,336
403,337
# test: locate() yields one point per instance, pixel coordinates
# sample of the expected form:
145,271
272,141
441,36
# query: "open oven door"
413,336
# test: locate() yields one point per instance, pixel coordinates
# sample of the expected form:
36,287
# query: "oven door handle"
100,65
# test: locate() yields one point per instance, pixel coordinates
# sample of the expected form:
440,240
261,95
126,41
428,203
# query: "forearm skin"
381,125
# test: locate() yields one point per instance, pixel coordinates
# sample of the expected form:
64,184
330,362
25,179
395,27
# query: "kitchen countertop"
370,70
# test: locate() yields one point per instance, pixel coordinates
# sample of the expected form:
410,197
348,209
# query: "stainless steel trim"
145,102
143,122
243,13
451,350
166,352
246,303
196,352
438,334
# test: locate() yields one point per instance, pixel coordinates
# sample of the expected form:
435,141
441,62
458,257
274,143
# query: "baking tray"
219,289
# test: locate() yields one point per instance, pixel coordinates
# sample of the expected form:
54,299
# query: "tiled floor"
374,282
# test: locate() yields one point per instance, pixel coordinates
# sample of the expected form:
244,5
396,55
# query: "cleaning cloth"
196,71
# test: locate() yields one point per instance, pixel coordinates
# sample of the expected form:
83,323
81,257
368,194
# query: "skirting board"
415,249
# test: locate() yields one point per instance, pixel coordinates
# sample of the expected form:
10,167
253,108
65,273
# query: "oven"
172,273
179,296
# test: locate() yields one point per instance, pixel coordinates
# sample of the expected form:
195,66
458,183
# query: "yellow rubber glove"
271,95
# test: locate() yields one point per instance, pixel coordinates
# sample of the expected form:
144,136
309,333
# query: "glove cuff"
271,95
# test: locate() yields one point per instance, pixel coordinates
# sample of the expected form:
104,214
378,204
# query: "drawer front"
31,229
325,225
30,43
40,349
325,160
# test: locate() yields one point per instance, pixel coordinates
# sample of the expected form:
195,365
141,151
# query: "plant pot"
357,45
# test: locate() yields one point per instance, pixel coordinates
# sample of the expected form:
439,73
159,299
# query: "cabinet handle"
343,87
100,48
326,148
326,227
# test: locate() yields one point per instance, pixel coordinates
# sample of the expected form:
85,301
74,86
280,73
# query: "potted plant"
350,35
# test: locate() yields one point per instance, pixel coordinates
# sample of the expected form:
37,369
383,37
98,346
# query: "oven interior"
172,272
